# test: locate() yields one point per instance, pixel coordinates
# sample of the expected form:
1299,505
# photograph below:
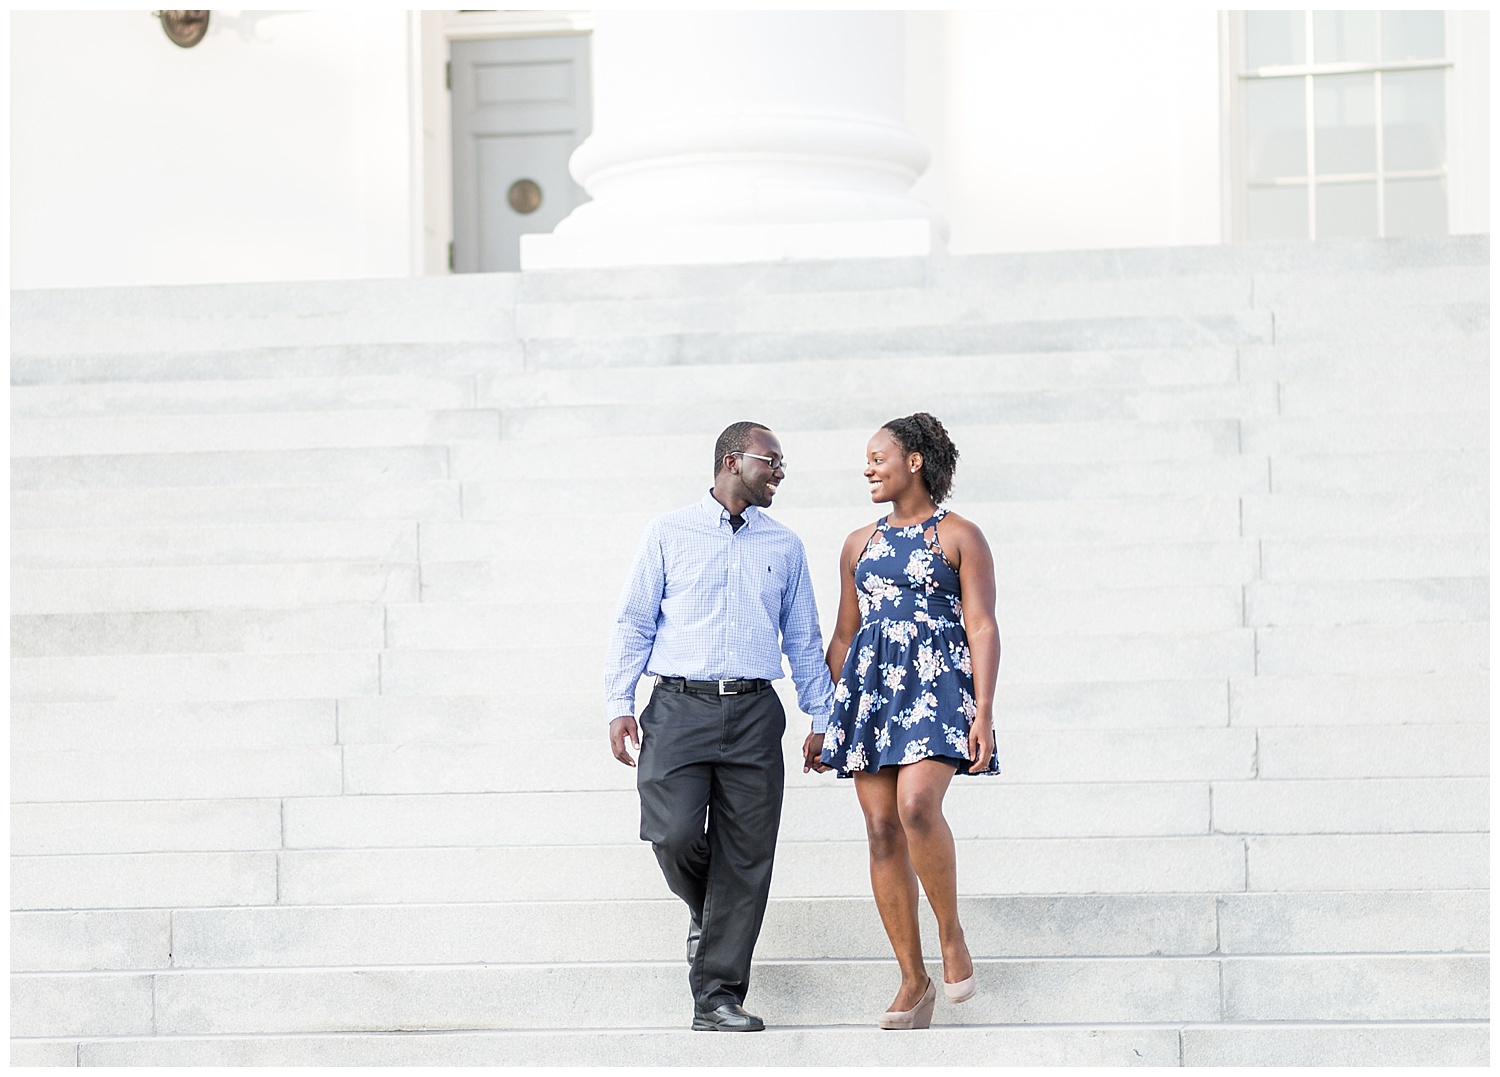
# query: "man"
718,591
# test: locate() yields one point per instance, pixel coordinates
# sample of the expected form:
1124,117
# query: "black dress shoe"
695,932
730,1017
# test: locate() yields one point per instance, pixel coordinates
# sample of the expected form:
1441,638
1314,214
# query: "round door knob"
524,196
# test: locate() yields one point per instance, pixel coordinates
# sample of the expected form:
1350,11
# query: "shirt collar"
720,515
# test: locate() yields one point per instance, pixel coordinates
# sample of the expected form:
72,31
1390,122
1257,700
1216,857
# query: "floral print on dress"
958,739
906,691
878,590
879,548
900,632
916,750
919,569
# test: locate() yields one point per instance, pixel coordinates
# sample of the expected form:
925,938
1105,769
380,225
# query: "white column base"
729,244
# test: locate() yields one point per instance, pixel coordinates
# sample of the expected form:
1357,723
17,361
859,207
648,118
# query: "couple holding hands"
901,701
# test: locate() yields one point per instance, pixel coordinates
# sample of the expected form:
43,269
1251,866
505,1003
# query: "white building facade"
333,144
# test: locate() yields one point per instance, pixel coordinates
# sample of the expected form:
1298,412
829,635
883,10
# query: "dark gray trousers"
710,777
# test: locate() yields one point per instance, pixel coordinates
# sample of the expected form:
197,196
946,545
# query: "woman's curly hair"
922,433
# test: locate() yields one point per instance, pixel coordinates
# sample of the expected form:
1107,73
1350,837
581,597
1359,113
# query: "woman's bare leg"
892,879
920,788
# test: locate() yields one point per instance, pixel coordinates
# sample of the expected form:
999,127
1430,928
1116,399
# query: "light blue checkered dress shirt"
705,602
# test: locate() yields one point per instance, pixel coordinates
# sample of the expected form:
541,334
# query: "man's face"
757,480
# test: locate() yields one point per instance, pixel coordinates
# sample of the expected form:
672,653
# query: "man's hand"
622,727
812,751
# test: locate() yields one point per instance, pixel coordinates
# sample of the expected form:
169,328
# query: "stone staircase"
311,585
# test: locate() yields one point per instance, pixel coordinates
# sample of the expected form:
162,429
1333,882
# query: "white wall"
1068,128
1469,122
277,149
281,148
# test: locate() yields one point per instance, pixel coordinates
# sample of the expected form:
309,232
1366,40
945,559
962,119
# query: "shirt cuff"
615,708
820,723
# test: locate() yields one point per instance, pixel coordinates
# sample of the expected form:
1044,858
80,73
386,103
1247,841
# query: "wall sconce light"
185,28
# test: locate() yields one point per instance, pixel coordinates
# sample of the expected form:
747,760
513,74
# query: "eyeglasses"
776,465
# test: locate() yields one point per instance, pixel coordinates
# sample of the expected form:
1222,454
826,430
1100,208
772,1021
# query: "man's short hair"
735,438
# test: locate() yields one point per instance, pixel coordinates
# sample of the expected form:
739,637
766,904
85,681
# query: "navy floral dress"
907,688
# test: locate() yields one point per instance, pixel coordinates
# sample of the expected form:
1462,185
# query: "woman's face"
888,467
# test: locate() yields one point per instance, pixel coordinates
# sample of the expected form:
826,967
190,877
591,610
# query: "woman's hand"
981,744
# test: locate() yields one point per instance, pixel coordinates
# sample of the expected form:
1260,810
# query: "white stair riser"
1119,332
954,305
1363,358
257,432
448,359
219,505
1361,516
1379,472
628,872
1117,990
1020,1045
1374,751
1087,404
1385,396
1420,432
1319,700
73,548
1365,805
285,394
173,773
199,632
1438,921
1330,1045
1435,285
208,587
764,384
1377,557
1366,602
1136,989
147,724
1316,322
1312,862
1372,649
404,466
1018,926
1343,988
1061,925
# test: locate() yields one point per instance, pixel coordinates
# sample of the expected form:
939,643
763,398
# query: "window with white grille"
1340,123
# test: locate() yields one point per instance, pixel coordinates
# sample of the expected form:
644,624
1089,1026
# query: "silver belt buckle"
722,683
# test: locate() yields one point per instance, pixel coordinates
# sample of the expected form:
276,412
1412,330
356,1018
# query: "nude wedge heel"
919,1016
962,991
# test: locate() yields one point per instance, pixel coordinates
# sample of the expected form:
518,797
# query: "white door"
520,108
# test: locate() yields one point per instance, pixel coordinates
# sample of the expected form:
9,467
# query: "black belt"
735,686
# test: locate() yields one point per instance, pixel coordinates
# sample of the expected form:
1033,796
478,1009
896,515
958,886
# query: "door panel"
504,160
520,108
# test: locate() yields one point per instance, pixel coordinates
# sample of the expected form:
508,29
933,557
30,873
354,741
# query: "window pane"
1411,35
1340,36
1416,207
1344,115
1276,118
1276,213
1412,102
1275,37
1346,209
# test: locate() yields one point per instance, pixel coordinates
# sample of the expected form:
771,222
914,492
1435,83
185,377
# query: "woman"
915,672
